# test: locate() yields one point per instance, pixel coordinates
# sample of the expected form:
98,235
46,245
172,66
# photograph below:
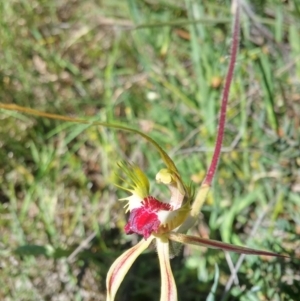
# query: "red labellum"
144,220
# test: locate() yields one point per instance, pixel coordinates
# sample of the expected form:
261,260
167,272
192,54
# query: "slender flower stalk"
222,118
203,191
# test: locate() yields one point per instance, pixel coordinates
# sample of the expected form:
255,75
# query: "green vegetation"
158,66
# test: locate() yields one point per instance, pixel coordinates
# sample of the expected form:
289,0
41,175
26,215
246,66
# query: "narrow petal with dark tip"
214,244
121,266
168,285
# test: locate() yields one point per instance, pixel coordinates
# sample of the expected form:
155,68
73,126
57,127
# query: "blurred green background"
159,66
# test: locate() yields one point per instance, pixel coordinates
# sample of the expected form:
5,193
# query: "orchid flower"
163,222
167,221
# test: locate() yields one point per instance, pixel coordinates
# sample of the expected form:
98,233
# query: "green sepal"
164,156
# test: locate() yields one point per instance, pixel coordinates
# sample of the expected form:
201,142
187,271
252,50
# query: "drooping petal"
214,244
120,267
168,285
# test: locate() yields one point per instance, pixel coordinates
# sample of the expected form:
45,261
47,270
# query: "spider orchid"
166,222
163,222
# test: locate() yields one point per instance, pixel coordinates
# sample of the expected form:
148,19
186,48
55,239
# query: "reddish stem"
222,118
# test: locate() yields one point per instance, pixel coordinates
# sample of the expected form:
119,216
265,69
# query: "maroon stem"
222,118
